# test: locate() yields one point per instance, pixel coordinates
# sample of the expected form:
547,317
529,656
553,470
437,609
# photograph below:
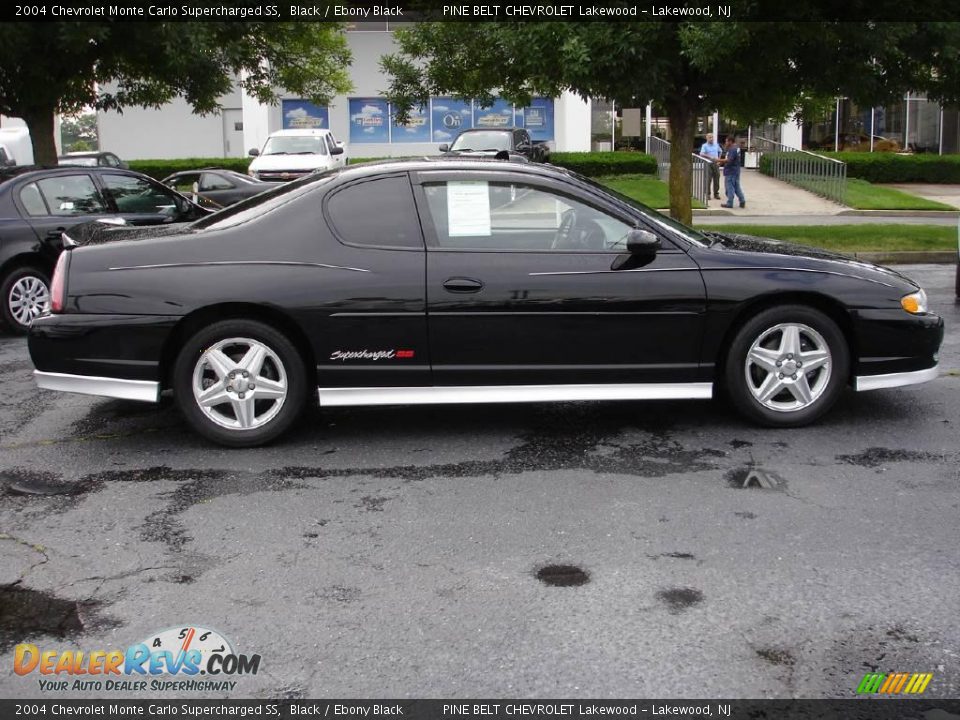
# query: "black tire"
12,279
291,368
741,379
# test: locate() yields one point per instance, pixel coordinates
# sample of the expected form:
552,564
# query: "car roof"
446,162
86,153
34,172
301,131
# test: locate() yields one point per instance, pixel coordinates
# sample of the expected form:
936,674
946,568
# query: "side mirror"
336,150
253,152
444,148
642,242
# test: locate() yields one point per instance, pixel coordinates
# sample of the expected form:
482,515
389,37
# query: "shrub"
594,164
884,167
159,169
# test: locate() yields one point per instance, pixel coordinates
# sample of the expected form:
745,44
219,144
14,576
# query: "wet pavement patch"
746,515
25,613
20,481
775,656
877,456
753,477
679,599
737,444
563,576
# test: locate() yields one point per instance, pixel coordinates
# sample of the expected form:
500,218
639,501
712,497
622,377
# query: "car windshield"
482,140
648,212
295,145
78,161
264,203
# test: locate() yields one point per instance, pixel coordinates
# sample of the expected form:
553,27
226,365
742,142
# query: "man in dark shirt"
732,162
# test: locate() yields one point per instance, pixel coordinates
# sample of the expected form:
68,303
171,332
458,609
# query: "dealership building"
364,120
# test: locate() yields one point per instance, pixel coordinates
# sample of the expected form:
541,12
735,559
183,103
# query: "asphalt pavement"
395,552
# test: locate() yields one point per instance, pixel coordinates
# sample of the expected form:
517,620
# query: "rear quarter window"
378,213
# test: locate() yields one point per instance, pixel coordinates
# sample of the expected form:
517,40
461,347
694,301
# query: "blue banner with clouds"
369,120
302,114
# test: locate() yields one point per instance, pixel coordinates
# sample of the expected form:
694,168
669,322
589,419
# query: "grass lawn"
644,188
853,238
865,196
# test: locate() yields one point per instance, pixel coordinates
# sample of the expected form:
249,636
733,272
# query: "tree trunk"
682,124
41,126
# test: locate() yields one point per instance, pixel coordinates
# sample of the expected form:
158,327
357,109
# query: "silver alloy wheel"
239,383
29,298
788,367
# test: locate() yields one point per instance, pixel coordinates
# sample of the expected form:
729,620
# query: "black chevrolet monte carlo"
467,281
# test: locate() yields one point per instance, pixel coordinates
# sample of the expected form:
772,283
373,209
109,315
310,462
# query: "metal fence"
700,190
820,175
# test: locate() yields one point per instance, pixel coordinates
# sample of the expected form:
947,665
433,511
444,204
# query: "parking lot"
394,552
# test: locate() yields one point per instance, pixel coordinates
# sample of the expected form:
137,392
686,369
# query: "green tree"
749,70
79,132
63,67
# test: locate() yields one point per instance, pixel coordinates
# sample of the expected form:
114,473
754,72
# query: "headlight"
914,303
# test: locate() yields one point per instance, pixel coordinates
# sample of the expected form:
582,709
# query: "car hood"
839,262
98,233
290,162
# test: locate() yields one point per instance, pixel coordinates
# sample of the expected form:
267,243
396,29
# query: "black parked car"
402,283
215,188
501,143
37,206
92,159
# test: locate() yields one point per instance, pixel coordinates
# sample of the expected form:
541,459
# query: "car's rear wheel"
240,383
26,296
787,366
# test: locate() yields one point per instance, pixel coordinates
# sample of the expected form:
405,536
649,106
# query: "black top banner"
853,709
384,14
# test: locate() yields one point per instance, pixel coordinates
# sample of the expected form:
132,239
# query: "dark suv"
37,206
502,143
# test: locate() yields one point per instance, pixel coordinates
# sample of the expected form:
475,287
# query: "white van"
289,154
15,146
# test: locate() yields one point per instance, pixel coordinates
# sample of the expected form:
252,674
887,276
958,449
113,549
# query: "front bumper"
890,380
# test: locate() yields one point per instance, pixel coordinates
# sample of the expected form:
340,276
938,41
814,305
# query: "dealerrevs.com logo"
177,659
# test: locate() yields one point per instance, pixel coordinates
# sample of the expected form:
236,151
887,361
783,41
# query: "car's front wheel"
26,296
240,383
787,366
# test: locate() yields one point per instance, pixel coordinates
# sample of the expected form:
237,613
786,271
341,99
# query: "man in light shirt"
711,150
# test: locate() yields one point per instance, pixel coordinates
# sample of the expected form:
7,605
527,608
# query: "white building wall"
572,123
173,131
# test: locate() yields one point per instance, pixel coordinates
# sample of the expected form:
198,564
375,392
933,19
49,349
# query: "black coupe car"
215,188
468,281
37,206
93,158
501,143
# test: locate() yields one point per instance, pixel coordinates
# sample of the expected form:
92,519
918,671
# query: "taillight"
58,287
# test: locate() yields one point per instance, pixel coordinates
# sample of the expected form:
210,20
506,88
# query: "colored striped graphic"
894,683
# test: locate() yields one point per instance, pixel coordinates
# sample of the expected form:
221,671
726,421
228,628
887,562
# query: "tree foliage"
64,67
752,71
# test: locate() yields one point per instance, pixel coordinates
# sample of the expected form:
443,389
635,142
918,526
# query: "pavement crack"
37,548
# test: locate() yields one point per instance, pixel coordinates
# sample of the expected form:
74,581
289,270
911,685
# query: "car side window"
113,160
136,195
378,212
184,183
32,200
480,215
212,181
330,143
69,195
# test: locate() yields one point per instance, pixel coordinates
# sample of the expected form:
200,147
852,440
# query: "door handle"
463,285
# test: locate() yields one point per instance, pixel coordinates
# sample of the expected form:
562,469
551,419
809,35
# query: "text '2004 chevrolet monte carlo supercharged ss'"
467,281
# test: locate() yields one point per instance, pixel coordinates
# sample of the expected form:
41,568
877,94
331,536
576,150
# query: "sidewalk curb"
903,213
909,257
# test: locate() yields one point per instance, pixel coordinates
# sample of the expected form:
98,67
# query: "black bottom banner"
853,709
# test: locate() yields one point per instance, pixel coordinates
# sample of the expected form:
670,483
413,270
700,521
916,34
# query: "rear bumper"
890,380
144,390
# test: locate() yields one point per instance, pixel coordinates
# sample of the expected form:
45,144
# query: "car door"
217,191
142,202
54,204
374,332
337,160
529,283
